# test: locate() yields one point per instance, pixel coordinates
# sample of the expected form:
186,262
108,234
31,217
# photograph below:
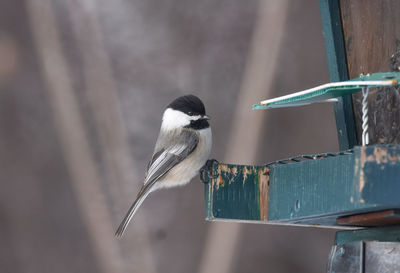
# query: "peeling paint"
251,196
247,171
225,172
234,171
226,169
263,179
380,156
221,182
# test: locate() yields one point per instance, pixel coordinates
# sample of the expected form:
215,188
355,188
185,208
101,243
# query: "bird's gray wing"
163,160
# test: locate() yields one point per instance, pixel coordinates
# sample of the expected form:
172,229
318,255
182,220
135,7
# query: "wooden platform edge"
313,192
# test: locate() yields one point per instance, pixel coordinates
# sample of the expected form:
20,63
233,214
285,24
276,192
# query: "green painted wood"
331,90
382,234
239,192
305,189
311,192
336,55
367,180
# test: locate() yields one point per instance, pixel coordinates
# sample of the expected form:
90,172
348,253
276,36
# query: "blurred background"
83,84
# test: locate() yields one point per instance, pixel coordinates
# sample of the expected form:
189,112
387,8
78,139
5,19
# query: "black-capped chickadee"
182,149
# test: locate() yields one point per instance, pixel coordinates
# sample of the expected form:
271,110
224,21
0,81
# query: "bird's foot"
206,171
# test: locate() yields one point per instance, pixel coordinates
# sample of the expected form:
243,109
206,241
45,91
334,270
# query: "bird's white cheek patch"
173,119
195,117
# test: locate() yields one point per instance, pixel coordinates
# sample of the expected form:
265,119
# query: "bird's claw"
206,171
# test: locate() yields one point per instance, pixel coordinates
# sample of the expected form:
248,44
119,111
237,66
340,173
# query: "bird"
182,149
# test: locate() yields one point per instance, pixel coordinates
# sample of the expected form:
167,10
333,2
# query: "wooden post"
372,40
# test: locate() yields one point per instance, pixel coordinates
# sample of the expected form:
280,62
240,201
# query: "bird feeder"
356,188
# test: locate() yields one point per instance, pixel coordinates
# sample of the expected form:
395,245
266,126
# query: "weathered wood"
371,219
366,180
311,192
238,192
372,39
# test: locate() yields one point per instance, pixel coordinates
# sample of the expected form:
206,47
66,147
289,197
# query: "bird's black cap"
189,104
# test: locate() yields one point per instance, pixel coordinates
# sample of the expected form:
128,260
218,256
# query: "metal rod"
362,257
365,136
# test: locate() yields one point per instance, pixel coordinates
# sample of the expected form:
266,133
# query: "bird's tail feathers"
144,192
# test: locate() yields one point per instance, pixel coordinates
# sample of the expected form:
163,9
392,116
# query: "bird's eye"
190,113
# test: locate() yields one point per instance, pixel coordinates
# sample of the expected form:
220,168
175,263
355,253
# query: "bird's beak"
205,117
